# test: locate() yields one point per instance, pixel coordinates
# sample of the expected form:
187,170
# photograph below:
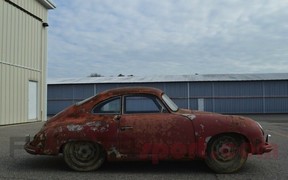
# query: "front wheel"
83,156
226,153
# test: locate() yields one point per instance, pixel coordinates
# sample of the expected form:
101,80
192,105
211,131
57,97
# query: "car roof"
133,90
119,92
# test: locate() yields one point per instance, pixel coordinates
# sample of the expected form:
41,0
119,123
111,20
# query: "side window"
110,106
142,104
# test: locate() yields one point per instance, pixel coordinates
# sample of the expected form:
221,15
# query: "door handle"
123,128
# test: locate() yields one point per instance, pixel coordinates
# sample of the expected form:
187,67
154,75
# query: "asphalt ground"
15,163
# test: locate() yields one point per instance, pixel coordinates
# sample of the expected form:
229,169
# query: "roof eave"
47,4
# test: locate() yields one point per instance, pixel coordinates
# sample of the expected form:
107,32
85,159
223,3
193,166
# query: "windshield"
170,103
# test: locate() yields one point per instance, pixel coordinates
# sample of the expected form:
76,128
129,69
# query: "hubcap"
225,149
84,152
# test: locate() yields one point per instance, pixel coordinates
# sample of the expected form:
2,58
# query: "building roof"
47,4
171,78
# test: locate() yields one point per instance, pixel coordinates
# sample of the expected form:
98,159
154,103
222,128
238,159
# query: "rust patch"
117,154
190,116
202,127
98,126
72,127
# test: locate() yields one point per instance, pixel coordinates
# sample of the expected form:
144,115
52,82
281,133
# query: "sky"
167,37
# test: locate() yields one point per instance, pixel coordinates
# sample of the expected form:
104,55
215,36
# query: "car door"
148,130
102,124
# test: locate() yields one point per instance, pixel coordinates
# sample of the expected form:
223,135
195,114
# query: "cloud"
146,37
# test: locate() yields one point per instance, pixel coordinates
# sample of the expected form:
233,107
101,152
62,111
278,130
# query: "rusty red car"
142,123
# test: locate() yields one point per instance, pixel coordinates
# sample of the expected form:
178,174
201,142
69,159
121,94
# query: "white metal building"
23,59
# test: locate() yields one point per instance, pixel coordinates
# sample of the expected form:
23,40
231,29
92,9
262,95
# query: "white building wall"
22,59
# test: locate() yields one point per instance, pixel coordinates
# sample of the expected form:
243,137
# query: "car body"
142,123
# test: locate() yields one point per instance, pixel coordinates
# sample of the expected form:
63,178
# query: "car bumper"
29,147
267,147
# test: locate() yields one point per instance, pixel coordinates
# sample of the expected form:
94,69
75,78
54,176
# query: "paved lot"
25,166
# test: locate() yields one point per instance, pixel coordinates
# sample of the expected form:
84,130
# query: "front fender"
211,125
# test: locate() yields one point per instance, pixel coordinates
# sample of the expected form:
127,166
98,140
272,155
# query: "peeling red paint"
171,135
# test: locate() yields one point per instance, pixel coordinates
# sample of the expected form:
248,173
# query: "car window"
142,104
170,103
110,106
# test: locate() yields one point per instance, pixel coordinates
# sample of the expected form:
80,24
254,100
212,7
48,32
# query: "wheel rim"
225,149
84,154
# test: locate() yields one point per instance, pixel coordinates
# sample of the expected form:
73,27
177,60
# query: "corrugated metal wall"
239,97
22,58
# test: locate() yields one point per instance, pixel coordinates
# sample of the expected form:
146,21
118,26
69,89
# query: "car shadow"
47,163
161,167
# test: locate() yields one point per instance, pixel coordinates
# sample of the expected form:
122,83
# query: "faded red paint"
173,135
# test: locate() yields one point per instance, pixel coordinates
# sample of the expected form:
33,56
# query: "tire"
226,153
83,156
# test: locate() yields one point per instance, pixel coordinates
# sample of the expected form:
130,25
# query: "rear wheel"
83,156
226,153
